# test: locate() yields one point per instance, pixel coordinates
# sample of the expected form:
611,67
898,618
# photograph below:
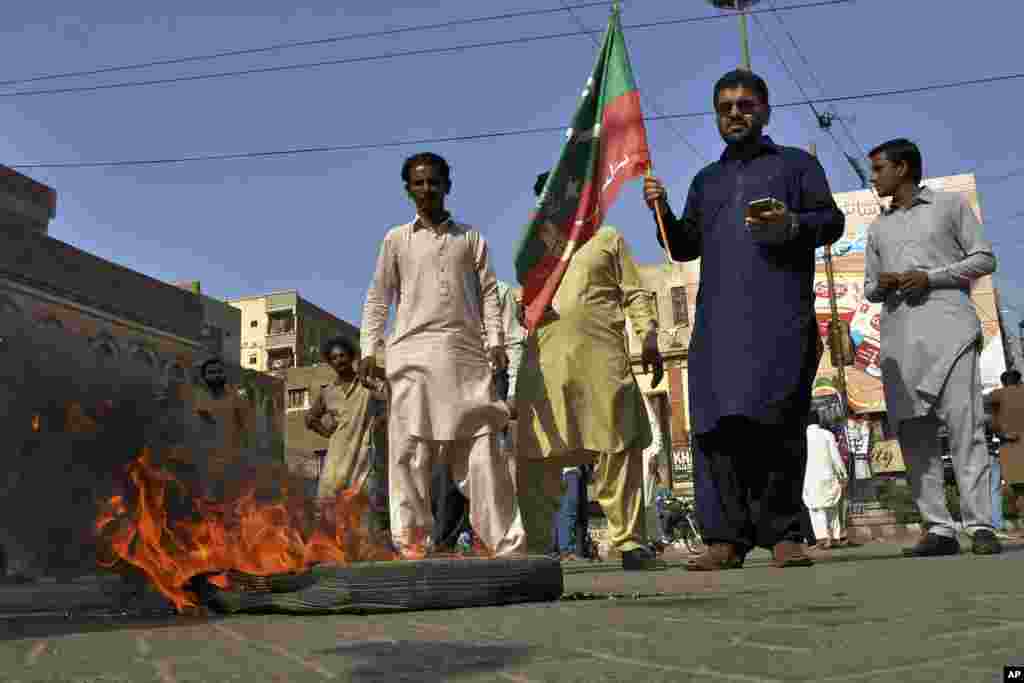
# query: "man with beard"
345,412
754,218
922,255
438,274
223,419
578,401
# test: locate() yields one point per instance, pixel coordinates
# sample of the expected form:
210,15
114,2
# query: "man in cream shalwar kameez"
438,274
823,484
921,258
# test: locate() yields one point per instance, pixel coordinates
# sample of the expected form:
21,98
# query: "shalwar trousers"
618,483
757,475
479,470
828,522
960,406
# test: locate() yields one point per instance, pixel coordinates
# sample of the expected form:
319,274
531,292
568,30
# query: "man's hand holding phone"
769,221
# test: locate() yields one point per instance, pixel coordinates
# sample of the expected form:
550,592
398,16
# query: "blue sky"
313,222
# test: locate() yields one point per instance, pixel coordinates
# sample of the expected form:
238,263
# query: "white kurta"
444,291
920,342
826,472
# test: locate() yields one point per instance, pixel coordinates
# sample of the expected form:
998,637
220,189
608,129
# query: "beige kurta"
576,390
444,290
352,408
222,422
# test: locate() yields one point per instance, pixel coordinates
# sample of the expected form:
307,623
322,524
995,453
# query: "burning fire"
161,529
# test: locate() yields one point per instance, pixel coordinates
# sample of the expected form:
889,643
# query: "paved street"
861,614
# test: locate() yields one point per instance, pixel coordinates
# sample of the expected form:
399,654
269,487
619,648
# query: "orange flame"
246,534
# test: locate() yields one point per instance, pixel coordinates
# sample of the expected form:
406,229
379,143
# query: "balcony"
280,340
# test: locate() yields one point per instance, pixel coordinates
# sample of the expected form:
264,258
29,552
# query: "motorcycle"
679,522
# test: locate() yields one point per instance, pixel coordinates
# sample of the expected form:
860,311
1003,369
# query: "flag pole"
661,222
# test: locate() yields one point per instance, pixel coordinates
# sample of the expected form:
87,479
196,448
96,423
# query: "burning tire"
389,586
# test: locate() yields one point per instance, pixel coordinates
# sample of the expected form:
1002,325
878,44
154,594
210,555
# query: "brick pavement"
862,614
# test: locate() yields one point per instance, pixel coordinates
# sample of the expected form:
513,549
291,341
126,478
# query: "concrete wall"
301,443
222,329
25,203
40,262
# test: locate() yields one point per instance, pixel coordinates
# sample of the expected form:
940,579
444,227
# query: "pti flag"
605,146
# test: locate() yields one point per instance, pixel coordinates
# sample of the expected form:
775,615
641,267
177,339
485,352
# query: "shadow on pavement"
390,660
51,625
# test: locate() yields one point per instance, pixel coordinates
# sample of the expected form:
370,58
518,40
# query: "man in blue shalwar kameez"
754,350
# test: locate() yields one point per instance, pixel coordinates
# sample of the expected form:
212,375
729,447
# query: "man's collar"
924,195
765,144
417,223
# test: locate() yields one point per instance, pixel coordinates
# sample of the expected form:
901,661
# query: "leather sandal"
717,557
790,554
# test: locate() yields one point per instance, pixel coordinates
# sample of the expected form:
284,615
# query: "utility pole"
840,348
739,6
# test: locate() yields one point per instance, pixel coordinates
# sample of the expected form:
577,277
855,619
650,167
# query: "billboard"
864,378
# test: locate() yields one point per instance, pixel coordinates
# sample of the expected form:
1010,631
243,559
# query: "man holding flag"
577,400
754,219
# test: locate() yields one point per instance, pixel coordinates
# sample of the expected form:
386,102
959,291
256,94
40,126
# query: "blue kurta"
753,352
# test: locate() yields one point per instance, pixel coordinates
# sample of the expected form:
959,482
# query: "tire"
391,586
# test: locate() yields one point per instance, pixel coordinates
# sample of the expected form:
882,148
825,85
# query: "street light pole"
744,36
739,6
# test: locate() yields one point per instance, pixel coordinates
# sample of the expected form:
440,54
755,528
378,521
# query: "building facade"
90,352
221,329
282,330
25,204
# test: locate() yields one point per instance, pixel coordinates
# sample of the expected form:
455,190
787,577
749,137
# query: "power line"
648,100
496,134
800,87
813,75
295,43
370,58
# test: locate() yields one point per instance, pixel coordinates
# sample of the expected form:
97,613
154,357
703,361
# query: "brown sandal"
717,557
790,554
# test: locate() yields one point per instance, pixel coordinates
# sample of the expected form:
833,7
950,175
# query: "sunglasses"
745,106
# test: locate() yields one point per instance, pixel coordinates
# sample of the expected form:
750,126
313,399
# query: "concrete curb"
881,532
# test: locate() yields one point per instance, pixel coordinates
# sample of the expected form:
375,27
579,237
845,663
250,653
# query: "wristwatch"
794,225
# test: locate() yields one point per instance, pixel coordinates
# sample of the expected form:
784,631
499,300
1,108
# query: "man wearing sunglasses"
754,218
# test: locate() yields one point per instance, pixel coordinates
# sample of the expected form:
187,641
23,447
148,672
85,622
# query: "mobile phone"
761,206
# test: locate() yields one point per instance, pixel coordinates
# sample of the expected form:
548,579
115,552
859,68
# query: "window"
252,360
281,324
254,323
297,399
680,314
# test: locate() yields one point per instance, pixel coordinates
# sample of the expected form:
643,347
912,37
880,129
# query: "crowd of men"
493,430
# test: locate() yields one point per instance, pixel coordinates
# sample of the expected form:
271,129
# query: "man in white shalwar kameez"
437,273
824,481
922,256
